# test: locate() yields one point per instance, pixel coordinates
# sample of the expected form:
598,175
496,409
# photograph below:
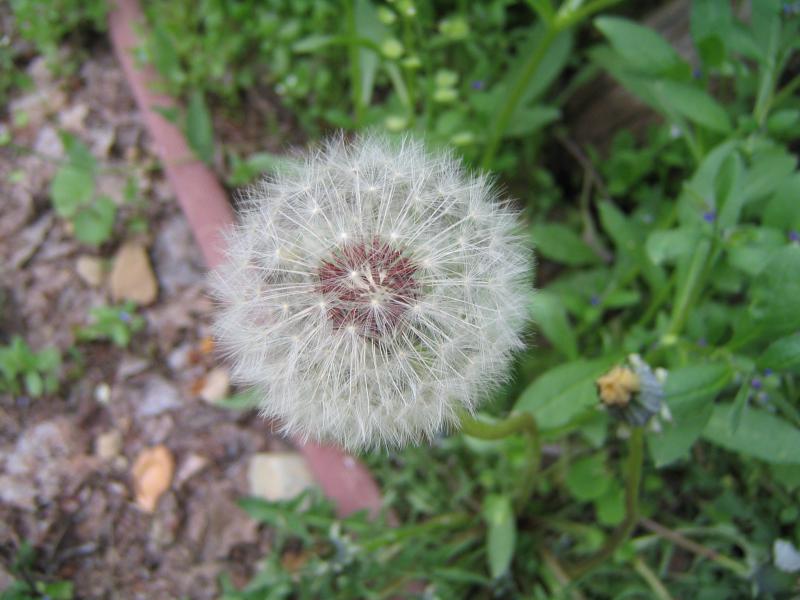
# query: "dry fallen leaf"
152,474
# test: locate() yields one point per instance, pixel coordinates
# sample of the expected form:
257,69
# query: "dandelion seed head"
371,292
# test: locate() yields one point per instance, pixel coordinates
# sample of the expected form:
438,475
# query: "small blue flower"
794,236
768,372
710,216
478,84
594,300
756,383
697,73
125,316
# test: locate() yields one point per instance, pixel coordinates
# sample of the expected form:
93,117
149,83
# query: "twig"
651,579
682,541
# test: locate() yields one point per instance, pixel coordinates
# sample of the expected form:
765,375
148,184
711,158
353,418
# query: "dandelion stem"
518,423
624,530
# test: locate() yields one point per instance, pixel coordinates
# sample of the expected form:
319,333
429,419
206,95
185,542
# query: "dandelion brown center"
368,286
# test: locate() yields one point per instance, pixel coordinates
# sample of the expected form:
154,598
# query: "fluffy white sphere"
371,291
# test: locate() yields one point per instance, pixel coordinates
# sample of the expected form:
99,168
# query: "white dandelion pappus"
371,291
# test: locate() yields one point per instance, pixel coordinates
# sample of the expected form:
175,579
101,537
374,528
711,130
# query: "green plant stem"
624,530
687,294
519,423
500,124
355,63
682,541
566,18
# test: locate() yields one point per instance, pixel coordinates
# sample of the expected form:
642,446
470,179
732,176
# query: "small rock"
132,275
107,445
158,396
102,140
102,393
90,270
193,464
278,476
152,474
73,117
130,366
49,143
216,385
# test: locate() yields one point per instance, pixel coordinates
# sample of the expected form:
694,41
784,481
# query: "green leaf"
562,393
246,400
71,188
550,316
670,245
689,393
78,153
559,243
642,48
94,224
775,293
761,435
588,478
782,355
165,58
501,533
693,104
528,120
783,210
199,129
768,173
34,384
610,507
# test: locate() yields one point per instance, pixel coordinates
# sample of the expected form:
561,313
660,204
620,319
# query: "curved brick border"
343,478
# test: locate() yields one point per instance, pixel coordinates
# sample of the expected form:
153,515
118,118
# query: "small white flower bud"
372,291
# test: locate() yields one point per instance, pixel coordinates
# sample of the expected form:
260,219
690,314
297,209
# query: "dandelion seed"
404,308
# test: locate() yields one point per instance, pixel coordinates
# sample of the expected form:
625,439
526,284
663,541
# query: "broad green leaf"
529,120
689,394
693,104
610,507
562,393
761,435
501,533
783,210
71,188
775,293
669,245
642,48
782,355
768,172
588,478
559,243
711,22
94,224
550,316
199,129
